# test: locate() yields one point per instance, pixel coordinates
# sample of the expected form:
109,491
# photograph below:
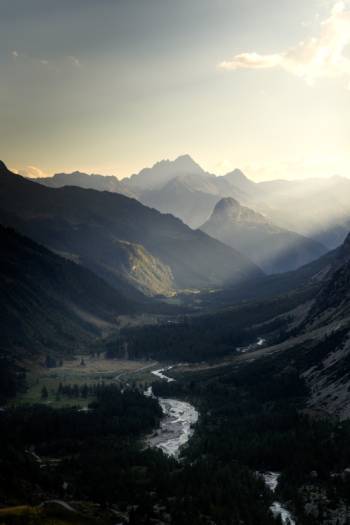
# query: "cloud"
33,172
314,58
15,53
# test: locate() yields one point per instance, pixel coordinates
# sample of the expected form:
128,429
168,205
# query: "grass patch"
95,370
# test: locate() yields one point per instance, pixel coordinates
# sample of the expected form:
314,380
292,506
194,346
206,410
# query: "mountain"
327,354
182,188
239,180
319,345
274,249
315,336
305,282
333,301
315,208
129,245
181,200
50,303
161,173
84,180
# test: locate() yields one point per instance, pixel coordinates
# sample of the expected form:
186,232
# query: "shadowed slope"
49,303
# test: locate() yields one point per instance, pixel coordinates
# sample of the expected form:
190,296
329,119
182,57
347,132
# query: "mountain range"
88,181
317,209
136,249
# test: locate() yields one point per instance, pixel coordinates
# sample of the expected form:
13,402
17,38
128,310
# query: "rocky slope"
333,301
317,342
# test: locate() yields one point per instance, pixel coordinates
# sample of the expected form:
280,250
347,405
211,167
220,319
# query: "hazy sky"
111,86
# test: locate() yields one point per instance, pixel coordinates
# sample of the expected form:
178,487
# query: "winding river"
176,429
176,426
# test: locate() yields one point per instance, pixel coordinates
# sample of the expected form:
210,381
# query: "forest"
99,456
207,336
252,420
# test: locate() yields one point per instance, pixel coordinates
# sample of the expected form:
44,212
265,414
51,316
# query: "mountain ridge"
84,180
86,223
184,189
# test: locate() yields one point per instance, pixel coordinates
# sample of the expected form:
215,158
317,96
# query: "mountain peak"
186,162
162,172
227,203
229,210
236,172
239,179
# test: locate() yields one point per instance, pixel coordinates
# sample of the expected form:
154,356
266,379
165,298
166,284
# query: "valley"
174,262
154,371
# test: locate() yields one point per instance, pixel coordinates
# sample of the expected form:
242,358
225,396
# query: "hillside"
333,301
317,340
273,248
51,304
98,229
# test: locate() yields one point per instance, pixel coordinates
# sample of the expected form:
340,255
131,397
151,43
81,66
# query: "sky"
112,86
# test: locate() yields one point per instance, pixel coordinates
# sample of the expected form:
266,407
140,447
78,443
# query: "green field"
95,370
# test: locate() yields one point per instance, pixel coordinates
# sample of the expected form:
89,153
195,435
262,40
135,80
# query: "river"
176,429
159,373
271,481
176,426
